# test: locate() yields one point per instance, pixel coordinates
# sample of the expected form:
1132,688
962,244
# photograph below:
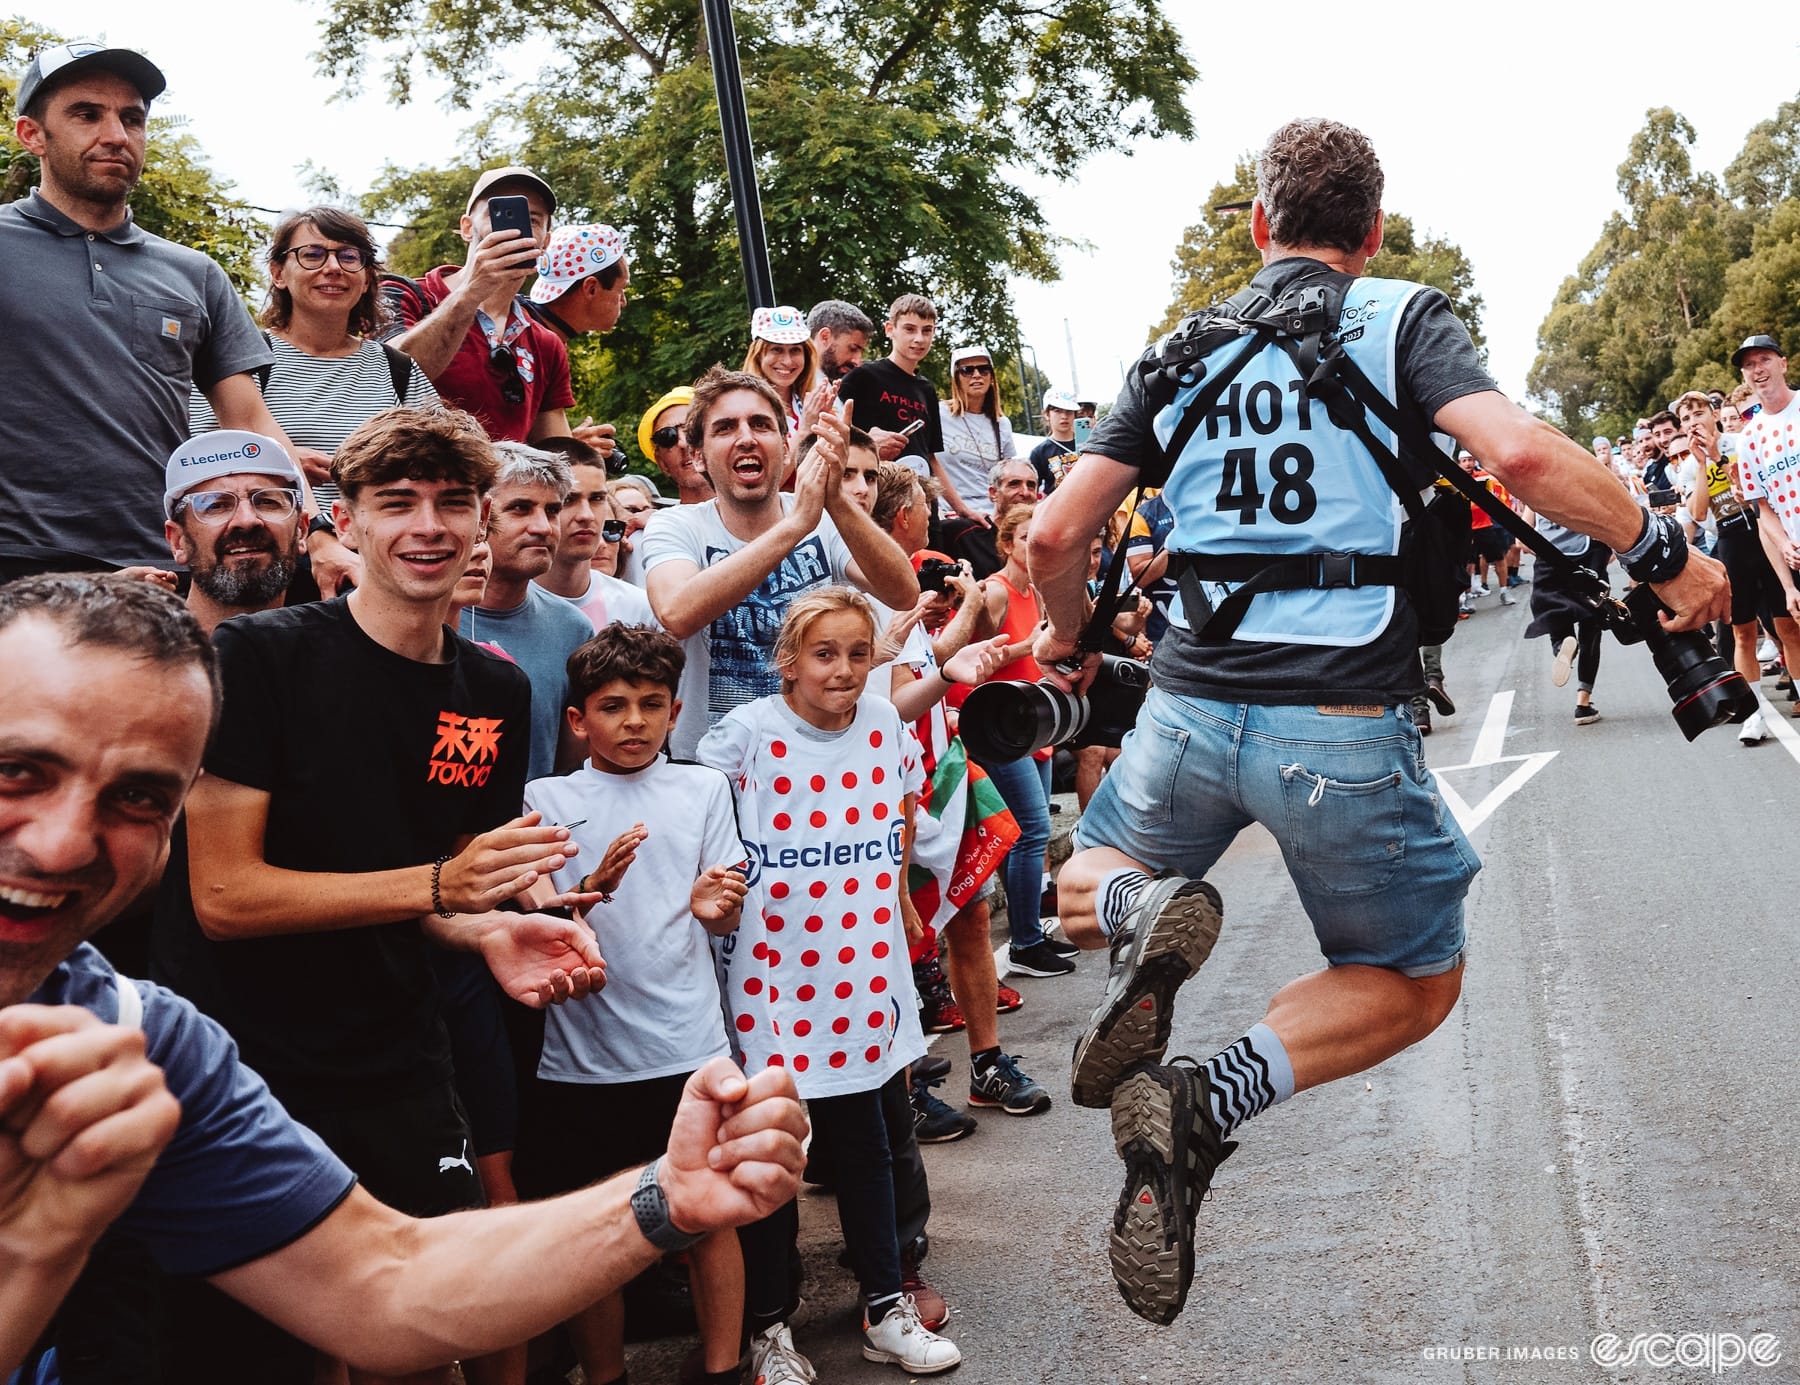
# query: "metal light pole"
740,162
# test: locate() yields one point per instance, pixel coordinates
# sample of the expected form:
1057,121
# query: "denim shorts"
1381,867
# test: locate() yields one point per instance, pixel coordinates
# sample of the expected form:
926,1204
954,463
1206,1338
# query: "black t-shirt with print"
372,762
887,397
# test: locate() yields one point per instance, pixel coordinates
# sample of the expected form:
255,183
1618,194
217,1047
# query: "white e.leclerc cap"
224,452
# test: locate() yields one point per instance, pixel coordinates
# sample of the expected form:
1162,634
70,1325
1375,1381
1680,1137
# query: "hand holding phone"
912,427
510,214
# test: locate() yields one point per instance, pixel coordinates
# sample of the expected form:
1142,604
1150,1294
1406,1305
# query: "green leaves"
1645,316
886,135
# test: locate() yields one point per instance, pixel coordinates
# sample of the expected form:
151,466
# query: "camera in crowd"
1010,720
935,575
1706,691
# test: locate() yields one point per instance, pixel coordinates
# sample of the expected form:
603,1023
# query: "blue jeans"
1381,868
1025,785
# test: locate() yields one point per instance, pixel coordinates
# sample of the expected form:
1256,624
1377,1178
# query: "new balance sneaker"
1006,999
934,1121
1004,1087
1040,959
774,1360
901,1339
1164,1131
934,1311
1169,936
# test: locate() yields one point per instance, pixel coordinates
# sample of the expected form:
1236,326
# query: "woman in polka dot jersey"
817,978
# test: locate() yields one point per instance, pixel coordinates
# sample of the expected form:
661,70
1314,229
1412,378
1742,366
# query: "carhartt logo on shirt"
171,328
465,750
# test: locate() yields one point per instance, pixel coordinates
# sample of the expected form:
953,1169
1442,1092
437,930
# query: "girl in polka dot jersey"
817,978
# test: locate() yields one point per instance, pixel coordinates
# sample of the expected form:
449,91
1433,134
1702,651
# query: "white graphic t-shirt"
1769,470
728,662
817,977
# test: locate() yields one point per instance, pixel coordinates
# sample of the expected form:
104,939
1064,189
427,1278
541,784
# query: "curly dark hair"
636,653
1320,185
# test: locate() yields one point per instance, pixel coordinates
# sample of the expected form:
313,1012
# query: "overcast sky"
1503,136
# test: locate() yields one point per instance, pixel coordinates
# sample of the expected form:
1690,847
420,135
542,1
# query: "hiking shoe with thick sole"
1169,937
1164,1131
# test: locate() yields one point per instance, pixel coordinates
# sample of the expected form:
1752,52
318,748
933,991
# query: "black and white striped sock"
1248,1078
1116,896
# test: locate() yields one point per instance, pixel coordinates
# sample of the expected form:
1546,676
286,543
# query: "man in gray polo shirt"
104,328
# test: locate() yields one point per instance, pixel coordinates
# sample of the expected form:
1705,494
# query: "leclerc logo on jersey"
465,750
889,848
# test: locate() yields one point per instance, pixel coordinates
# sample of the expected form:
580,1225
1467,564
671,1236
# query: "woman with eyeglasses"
977,435
330,376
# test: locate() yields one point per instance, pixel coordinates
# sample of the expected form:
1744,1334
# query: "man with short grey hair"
517,617
1011,481
108,328
840,333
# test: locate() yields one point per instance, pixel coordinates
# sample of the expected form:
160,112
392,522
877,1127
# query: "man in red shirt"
469,331
1488,542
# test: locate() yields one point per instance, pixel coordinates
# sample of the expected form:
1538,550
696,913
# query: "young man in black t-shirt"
358,807
890,396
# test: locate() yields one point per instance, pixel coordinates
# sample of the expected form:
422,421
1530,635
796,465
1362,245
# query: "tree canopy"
1216,257
178,197
887,133
1685,270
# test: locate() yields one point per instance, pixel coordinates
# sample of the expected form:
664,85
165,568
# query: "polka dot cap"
573,253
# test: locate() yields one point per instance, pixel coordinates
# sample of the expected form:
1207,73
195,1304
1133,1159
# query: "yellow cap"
681,394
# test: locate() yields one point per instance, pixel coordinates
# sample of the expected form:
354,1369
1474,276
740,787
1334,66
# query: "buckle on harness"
1334,570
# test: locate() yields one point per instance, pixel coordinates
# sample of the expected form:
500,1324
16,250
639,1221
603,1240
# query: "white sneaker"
1753,729
900,1339
1507,598
774,1360
1565,660
1766,652
1477,590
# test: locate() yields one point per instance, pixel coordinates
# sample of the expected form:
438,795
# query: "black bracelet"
437,895
1660,555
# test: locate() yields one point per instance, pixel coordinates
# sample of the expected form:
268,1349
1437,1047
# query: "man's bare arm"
686,598
393,1294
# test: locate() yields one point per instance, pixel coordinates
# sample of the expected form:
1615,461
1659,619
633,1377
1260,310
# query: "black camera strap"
1106,605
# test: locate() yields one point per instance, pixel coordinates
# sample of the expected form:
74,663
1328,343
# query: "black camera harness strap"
1303,324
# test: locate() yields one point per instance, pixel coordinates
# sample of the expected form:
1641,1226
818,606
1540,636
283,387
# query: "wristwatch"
651,1208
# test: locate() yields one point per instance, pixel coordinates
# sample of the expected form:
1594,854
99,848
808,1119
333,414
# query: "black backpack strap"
263,372
398,289
1260,573
399,371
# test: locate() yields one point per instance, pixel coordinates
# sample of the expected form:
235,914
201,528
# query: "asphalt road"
1600,1140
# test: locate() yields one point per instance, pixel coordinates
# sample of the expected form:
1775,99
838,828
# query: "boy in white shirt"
613,1066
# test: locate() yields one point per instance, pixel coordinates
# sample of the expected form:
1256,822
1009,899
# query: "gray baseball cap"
1762,341
66,60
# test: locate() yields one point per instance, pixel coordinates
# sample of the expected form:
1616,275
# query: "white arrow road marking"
1488,745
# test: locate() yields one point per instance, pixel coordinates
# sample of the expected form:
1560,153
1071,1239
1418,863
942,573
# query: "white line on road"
1493,730
1488,745
1779,726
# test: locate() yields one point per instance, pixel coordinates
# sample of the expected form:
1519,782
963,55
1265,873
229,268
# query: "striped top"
321,400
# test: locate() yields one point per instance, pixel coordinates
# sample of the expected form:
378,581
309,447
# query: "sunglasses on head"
665,437
612,530
504,362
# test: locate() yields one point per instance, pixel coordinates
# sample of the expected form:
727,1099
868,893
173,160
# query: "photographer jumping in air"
1282,688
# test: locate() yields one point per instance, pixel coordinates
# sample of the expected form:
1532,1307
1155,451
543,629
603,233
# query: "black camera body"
1008,721
934,575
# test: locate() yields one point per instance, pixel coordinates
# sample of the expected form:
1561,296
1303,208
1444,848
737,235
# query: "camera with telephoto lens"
1010,720
934,575
1706,691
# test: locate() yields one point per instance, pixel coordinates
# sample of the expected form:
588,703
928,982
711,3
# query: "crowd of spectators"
538,787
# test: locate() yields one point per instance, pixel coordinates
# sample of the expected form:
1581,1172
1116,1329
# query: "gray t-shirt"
105,333
1436,362
538,635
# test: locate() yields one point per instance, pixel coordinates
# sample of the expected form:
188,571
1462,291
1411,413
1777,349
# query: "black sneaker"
1586,714
1003,1087
1164,1132
1060,945
1040,959
1171,933
1434,689
1422,717
934,1121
